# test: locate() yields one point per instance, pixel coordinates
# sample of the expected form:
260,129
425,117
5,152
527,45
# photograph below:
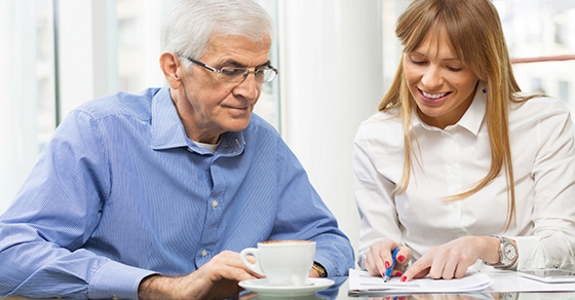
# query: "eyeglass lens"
239,74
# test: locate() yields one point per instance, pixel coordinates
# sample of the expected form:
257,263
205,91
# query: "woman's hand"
452,259
378,258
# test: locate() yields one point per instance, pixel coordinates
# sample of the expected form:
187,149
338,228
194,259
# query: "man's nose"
249,87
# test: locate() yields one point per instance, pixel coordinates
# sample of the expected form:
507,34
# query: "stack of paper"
363,282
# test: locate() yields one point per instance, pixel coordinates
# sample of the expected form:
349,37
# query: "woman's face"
442,86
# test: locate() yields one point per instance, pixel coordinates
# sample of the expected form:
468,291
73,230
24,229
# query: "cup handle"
256,267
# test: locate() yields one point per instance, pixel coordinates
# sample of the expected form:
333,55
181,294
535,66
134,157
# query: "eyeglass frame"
220,72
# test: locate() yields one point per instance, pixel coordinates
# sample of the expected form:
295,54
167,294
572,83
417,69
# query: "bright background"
336,59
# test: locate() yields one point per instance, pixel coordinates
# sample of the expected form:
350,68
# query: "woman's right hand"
378,258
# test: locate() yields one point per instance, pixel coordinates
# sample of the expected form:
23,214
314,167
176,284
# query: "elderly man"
153,195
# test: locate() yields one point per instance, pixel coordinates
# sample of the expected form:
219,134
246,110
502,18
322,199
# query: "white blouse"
451,161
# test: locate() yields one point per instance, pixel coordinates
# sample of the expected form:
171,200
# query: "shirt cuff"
528,256
117,280
330,269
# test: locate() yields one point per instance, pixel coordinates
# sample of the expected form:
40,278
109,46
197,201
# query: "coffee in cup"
283,262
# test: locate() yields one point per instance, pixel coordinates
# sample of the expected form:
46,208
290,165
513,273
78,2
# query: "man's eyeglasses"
237,75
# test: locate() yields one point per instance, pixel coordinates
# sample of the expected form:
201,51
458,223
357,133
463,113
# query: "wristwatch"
319,269
507,253
508,296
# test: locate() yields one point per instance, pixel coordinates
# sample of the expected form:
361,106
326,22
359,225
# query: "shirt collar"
471,120
168,131
167,128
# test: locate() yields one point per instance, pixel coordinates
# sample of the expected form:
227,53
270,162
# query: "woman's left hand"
452,259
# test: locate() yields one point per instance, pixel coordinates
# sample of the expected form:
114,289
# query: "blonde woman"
459,166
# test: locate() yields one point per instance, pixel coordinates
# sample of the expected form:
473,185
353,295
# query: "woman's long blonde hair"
476,38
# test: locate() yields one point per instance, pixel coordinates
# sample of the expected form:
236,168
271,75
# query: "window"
28,84
564,91
539,35
541,43
106,46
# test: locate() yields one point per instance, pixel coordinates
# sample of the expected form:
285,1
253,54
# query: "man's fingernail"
403,279
387,265
401,258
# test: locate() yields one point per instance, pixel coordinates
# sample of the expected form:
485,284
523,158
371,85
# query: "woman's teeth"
433,96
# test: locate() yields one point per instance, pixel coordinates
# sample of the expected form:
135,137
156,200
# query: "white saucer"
263,287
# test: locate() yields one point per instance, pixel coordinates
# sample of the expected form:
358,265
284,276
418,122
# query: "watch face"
509,251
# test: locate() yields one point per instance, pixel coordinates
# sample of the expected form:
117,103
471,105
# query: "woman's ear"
170,65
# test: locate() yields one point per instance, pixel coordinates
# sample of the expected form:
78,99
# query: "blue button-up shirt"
120,193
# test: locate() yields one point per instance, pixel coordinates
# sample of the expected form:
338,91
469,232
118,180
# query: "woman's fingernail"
387,265
397,274
403,279
401,258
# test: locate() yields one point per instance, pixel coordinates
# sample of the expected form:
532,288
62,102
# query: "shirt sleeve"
54,213
373,196
553,242
303,215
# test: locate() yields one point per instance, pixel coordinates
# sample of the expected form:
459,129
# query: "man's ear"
171,67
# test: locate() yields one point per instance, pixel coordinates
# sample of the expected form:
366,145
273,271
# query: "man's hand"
218,279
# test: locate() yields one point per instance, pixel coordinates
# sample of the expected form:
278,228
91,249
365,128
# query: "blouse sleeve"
373,195
553,173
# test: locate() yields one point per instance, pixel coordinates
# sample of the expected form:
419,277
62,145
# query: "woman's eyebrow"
421,55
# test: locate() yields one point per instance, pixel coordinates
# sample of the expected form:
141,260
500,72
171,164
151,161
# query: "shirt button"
215,203
204,253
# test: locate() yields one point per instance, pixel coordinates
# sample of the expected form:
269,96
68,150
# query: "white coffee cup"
283,262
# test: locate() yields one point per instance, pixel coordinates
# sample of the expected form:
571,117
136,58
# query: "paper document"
363,282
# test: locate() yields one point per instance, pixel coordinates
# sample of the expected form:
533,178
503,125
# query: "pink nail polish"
403,279
387,265
401,258
397,274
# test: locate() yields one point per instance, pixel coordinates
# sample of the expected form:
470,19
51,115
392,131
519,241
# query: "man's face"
209,107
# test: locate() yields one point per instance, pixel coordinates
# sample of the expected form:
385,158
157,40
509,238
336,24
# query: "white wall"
331,80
